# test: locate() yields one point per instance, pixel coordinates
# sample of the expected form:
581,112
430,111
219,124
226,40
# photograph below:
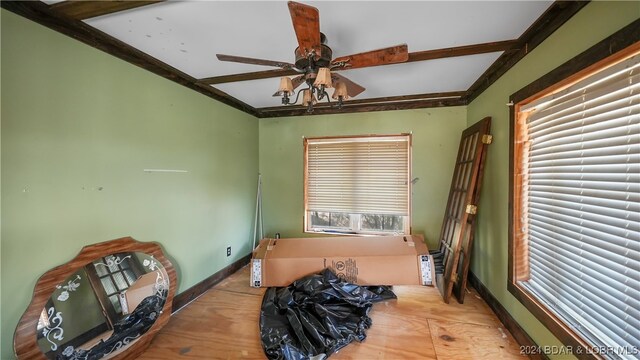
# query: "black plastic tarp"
316,316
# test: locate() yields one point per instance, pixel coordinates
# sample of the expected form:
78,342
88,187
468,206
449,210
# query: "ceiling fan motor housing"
321,60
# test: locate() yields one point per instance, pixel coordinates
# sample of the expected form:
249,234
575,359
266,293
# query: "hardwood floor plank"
224,324
392,336
426,300
460,341
218,325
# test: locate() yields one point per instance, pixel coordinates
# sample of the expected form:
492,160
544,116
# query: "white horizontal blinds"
583,204
364,175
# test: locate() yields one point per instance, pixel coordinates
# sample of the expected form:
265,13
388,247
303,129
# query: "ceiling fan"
313,60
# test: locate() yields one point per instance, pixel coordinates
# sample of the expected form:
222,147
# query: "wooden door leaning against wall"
456,237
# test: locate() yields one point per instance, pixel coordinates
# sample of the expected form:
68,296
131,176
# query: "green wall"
593,23
436,135
78,128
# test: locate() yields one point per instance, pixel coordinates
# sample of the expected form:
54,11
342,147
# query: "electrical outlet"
228,250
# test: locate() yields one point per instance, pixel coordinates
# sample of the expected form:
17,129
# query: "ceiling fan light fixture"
323,78
314,59
308,98
340,93
286,86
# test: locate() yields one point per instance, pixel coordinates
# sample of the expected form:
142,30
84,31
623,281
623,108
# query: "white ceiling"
188,35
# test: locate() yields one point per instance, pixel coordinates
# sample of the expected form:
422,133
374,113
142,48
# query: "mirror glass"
104,306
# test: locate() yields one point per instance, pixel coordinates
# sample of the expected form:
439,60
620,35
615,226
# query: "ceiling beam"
81,9
507,45
405,102
555,16
403,105
398,99
40,12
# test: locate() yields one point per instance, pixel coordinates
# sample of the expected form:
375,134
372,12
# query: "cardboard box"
379,260
143,287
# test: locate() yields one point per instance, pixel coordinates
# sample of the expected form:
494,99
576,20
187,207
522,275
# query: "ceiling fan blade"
353,89
390,55
246,60
306,23
296,81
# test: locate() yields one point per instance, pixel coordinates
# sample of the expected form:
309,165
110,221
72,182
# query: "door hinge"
471,209
487,139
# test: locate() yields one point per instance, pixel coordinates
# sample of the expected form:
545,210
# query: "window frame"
355,230
95,279
609,51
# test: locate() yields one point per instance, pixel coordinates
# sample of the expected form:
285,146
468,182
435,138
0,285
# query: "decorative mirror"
106,303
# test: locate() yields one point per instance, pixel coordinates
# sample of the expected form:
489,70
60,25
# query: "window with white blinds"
358,184
579,206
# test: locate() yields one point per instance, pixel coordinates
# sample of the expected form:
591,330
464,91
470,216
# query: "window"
115,274
575,226
358,185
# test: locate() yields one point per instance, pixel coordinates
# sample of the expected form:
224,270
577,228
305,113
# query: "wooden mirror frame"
25,338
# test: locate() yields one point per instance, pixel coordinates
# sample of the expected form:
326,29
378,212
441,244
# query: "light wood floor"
224,324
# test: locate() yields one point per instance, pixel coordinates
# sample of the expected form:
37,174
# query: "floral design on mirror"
112,261
71,286
51,326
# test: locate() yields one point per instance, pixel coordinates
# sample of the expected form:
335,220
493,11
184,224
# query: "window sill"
351,233
579,348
